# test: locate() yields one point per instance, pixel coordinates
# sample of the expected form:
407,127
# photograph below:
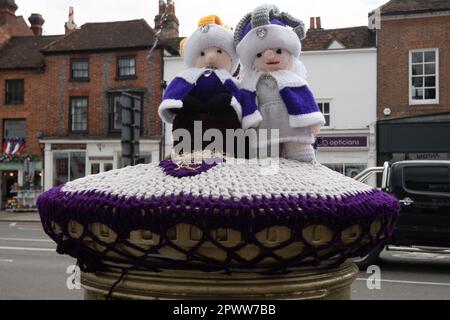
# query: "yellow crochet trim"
211,19
182,44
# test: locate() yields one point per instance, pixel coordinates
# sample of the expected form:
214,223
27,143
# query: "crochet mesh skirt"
223,215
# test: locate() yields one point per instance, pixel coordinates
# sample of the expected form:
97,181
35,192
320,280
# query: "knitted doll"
206,91
275,94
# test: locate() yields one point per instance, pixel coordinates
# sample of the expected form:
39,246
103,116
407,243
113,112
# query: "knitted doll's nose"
211,57
269,54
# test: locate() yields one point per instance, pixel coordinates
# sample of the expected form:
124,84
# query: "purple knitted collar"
179,170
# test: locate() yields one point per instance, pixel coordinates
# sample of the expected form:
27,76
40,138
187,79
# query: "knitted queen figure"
274,92
206,91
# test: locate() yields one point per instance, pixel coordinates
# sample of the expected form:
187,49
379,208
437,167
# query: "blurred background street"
31,269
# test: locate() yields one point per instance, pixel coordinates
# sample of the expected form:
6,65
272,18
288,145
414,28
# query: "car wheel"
370,259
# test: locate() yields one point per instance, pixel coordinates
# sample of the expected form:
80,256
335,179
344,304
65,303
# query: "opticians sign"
343,142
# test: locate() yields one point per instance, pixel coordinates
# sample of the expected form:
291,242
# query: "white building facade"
344,82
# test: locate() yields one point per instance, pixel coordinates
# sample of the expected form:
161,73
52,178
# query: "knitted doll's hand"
192,106
315,129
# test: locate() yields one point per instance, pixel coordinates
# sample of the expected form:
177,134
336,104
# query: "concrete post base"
332,284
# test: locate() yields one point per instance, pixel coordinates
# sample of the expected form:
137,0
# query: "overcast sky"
334,13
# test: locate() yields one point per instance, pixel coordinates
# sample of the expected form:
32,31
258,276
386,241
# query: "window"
78,114
115,112
427,179
325,109
79,70
424,76
350,170
68,166
15,129
14,92
126,67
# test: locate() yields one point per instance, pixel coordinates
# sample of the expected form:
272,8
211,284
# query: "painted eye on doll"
259,55
202,54
219,51
279,51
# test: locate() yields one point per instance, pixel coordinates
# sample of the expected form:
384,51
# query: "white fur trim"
252,121
276,37
217,36
191,75
284,78
306,120
165,108
237,107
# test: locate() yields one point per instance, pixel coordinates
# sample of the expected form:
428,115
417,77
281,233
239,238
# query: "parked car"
423,189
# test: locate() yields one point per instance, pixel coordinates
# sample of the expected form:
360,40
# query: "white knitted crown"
264,34
210,35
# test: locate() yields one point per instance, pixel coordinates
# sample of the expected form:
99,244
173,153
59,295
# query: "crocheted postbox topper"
220,215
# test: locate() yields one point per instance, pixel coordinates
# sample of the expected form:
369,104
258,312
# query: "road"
31,269
29,266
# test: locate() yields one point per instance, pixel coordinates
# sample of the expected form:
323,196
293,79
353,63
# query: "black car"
423,189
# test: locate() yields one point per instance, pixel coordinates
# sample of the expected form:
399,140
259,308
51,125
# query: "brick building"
58,94
413,79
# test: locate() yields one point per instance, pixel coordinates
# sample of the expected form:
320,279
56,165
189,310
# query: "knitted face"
214,58
272,60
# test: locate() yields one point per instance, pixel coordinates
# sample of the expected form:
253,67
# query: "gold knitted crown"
208,20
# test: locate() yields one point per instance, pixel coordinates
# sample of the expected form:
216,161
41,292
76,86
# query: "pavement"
19,216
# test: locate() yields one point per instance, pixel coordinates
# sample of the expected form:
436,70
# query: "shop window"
79,70
325,109
424,76
15,91
68,166
349,170
126,67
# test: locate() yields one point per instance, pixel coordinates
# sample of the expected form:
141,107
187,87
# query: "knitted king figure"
206,91
275,94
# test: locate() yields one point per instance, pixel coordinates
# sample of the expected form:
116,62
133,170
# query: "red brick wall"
34,101
102,74
47,95
395,40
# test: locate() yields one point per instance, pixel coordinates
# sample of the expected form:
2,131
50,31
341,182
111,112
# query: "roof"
106,35
173,45
24,52
350,38
398,7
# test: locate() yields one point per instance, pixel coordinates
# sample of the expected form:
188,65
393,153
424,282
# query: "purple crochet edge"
173,169
207,213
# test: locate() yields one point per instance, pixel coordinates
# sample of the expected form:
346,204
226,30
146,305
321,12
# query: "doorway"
100,166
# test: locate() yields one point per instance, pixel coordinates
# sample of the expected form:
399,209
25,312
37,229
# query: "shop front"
20,172
68,160
347,152
414,138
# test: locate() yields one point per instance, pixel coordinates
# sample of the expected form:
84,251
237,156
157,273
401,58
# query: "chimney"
170,25
318,23
8,7
70,26
36,22
312,23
